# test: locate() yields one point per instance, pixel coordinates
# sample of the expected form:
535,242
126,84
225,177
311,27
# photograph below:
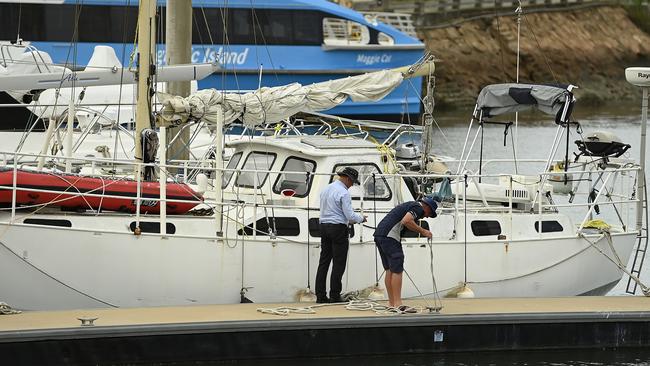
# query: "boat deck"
43,320
162,335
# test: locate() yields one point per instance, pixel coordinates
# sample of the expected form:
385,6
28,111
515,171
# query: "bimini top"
499,99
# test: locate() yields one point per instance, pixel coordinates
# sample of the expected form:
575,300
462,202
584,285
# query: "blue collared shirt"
336,205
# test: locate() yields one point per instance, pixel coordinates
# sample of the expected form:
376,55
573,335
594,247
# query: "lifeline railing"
607,180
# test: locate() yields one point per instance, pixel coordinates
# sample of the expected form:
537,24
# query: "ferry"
256,42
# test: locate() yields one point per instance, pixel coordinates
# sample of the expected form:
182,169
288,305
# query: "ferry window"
257,160
381,192
314,228
338,31
55,22
240,23
208,25
549,226
385,39
256,26
305,33
406,233
296,181
281,226
232,164
275,25
486,228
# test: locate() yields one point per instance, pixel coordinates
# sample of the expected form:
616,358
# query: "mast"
146,45
178,51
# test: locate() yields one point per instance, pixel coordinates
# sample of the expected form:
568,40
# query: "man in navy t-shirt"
388,236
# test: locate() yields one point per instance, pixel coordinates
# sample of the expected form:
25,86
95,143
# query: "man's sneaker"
322,300
336,299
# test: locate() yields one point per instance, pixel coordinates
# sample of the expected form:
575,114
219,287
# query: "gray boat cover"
498,99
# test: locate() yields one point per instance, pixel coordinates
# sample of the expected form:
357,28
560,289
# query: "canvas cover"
270,105
498,99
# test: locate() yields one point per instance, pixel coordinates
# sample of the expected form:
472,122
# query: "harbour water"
627,357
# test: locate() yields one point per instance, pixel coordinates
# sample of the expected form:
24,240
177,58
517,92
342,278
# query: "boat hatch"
328,143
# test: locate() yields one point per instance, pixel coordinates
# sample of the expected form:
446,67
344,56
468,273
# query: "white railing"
607,196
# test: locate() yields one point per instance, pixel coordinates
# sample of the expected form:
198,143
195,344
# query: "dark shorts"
390,251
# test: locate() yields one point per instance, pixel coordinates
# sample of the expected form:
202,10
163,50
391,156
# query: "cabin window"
232,164
48,222
294,176
314,228
338,31
256,160
549,226
486,228
381,192
281,226
406,233
152,227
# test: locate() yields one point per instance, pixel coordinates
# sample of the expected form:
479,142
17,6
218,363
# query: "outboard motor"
149,151
601,144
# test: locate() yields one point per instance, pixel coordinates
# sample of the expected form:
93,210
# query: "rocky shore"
589,48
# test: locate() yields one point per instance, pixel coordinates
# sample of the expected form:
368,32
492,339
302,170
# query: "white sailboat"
256,235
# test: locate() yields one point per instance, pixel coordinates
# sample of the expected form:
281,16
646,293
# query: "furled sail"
269,105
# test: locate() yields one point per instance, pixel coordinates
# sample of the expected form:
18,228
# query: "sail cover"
498,99
273,104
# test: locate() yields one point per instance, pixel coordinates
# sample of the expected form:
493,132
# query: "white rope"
645,289
5,309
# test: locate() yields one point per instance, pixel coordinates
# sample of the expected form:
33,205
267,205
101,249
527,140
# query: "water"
627,357
597,357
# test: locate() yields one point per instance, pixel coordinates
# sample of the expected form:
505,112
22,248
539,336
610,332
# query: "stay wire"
374,209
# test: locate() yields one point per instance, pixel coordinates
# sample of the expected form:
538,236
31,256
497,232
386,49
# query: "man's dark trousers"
334,243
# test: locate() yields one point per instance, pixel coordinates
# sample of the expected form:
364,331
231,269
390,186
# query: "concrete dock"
240,331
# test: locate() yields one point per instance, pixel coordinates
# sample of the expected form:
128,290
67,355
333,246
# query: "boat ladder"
641,247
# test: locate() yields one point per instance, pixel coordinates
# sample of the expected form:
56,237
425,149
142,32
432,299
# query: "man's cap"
432,204
350,173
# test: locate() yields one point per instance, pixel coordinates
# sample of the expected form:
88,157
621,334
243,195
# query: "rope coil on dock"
353,305
5,309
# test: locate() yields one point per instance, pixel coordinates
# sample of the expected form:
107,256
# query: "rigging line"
503,67
266,46
374,210
308,236
465,216
539,47
20,13
119,107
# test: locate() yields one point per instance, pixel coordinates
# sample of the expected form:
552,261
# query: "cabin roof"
309,145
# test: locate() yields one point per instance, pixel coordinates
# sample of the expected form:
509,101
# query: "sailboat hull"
44,269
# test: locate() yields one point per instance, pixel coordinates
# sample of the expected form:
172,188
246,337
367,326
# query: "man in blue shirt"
335,215
388,237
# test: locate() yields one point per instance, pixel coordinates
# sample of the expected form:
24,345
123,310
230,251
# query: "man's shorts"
390,251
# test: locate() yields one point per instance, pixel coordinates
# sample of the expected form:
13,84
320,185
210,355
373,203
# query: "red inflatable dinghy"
74,192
